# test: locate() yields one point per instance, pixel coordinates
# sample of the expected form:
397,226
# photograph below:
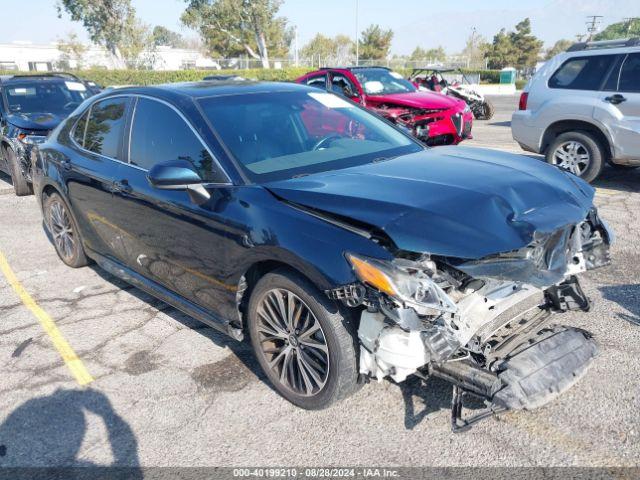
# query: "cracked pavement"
169,391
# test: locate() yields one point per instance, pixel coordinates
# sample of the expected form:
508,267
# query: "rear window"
630,74
103,133
582,73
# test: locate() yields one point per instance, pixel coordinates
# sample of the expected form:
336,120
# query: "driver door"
170,239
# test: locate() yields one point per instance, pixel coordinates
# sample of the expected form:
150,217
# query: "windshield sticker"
374,86
76,86
21,91
395,75
330,101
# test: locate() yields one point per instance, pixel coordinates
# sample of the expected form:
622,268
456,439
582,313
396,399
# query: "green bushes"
153,77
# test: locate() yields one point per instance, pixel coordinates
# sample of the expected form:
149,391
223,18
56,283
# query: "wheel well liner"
251,277
564,126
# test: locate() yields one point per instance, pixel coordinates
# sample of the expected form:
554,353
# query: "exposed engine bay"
485,325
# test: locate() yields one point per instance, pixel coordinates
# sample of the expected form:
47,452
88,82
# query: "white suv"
582,108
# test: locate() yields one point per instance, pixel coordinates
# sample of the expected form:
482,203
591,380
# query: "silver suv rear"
582,108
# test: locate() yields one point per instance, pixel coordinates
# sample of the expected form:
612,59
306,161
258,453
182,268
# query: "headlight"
408,282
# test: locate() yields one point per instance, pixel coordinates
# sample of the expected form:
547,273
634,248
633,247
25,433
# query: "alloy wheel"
292,342
62,230
572,156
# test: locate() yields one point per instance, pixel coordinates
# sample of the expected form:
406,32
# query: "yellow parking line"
64,349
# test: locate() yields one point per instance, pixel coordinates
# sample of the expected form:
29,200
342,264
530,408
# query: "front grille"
467,129
457,123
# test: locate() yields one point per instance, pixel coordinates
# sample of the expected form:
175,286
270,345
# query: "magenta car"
434,119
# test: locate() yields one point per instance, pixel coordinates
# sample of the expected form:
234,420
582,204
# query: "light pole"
295,46
357,34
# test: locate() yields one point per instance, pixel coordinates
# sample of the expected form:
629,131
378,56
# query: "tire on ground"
339,333
593,146
79,258
20,184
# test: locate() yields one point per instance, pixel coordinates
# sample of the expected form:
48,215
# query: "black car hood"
35,121
458,202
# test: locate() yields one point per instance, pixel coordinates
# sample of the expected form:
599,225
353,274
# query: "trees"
420,54
558,47
627,29
137,47
230,27
163,36
106,21
338,50
475,49
375,43
72,49
520,48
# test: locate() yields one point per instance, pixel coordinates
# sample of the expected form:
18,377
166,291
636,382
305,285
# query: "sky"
415,23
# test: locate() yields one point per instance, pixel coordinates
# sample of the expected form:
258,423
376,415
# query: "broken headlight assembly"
409,283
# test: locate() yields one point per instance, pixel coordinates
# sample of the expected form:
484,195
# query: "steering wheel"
70,105
326,140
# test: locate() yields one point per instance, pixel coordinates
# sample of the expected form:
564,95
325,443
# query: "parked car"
432,118
582,108
453,82
340,245
30,107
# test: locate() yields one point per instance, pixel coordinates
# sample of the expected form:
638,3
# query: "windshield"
59,98
379,81
280,135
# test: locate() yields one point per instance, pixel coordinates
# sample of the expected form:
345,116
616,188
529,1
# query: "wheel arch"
259,269
564,126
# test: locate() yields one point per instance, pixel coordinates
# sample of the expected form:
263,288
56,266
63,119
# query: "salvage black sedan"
340,246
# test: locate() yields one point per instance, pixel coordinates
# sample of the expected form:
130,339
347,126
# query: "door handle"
615,99
122,186
65,164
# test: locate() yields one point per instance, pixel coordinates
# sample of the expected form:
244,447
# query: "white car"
582,108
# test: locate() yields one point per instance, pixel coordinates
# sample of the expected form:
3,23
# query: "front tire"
64,232
302,341
21,187
579,153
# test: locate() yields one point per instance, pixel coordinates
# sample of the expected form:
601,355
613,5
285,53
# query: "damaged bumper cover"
483,325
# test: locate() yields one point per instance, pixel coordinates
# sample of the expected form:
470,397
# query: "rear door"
627,102
97,139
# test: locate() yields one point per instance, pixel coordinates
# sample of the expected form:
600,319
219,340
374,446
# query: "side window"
105,127
342,85
630,74
80,128
159,134
582,73
319,81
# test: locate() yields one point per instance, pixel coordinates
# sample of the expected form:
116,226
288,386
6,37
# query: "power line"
593,24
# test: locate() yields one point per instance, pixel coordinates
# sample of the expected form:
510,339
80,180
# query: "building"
26,56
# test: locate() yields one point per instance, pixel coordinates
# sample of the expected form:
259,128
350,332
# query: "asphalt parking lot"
160,389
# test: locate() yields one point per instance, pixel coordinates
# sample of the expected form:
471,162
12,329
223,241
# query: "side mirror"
178,175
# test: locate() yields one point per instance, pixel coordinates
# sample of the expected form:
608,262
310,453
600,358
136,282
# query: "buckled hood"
426,100
459,202
35,121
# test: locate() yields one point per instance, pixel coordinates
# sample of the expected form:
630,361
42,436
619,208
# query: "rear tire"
486,111
316,346
64,232
20,185
580,153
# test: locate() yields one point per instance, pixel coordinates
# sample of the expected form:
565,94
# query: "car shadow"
242,350
506,123
628,297
621,179
425,397
48,432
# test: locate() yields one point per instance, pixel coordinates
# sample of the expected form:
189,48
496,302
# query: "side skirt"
119,270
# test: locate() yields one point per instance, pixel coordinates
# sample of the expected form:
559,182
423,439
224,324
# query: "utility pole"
630,21
592,25
295,46
357,35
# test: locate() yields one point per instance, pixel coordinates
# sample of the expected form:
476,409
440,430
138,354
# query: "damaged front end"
483,325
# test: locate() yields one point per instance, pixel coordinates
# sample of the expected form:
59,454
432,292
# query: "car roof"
209,88
355,68
39,78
